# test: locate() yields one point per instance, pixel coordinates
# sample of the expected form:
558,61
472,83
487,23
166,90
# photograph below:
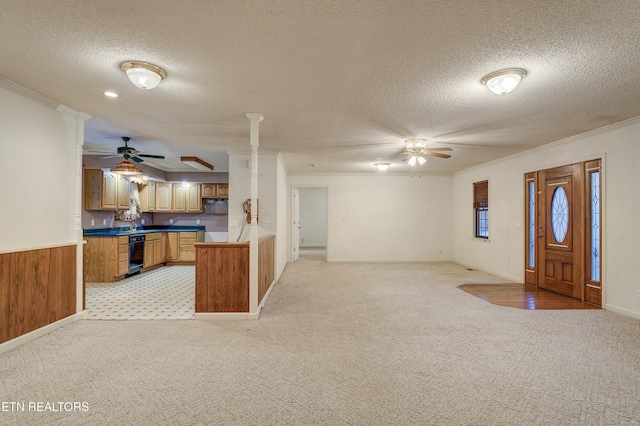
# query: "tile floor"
164,293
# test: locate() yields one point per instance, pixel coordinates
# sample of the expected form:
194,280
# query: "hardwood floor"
524,297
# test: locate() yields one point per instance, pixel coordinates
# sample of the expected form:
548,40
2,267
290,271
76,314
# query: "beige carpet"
341,344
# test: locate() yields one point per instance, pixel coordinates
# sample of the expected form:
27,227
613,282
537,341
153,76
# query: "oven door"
136,254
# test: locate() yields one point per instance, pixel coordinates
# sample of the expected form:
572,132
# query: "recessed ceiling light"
110,94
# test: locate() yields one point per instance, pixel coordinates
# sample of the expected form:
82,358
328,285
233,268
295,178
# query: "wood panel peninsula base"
222,278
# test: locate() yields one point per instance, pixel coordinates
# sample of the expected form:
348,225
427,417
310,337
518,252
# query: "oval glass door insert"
559,214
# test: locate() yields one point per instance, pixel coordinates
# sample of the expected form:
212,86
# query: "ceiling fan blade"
161,157
135,159
439,149
436,154
109,156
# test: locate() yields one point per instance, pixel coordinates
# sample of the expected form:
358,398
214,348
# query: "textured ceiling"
341,83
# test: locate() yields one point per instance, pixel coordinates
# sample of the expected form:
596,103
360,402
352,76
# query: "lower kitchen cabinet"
172,247
106,258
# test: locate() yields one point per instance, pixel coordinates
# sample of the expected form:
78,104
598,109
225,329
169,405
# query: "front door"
560,230
563,230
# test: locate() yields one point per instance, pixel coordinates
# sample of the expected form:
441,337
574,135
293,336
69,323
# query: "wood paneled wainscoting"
222,275
37,288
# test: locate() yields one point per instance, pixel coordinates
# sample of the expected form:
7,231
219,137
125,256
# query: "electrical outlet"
142,221
104,221
171,221
197,221
93,222
266,223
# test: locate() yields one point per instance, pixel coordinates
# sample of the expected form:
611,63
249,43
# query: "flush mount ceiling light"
126,168
197,163
382,166
142,74
110,94
503,81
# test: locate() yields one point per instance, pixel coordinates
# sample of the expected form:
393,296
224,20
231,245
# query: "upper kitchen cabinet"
148,197
209,190
223,190
163,197
186,197
215,190
105,191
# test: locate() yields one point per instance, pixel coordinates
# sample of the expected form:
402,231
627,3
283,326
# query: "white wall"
40,194
313,217
382,217
619,147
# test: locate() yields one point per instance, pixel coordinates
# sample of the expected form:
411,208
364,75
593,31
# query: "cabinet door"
157,252
149,251
124,197
209,190
152,196
109,195
172,246
223,190
179,197
163,196
194,198
148,197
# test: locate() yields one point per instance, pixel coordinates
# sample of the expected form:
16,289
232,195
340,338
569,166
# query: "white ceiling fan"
416,151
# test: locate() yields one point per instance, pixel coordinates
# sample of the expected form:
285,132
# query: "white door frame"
294,235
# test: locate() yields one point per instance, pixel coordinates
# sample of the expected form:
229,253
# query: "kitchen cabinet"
106,258
222,190
172,247
149,258
158,252
105,190
163,197
209,190
187,248
215,190
148,197
153,252
186,197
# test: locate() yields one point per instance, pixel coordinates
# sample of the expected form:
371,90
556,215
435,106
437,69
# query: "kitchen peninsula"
111,254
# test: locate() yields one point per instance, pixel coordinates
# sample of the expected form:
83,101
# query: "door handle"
539,235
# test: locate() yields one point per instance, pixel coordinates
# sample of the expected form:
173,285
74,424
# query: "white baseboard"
42,331
622,311
266,295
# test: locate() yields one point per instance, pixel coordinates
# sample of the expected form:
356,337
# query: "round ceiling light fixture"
142,74
382,166
503,81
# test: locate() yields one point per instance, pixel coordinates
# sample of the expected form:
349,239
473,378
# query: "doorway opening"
563,244
309,223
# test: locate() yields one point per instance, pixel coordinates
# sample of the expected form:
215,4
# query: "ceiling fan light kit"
143,74
126,168
503,81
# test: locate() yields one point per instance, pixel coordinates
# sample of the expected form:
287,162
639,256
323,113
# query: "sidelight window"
481,208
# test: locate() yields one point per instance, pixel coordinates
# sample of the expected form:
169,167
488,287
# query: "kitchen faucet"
133,227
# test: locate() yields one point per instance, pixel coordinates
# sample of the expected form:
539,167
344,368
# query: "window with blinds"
481,208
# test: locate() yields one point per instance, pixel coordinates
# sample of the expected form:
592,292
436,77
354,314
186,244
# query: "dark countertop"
141,230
